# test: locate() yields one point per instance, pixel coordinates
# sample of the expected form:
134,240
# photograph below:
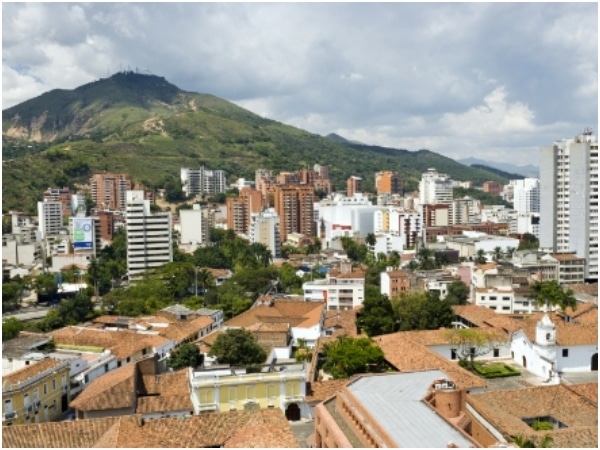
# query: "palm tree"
204,279
480,258
371,240
497,253
510,251
551,293
93,274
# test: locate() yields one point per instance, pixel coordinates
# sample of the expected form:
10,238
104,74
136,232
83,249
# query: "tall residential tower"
569,199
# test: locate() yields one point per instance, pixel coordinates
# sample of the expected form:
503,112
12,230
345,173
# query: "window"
565,352
496,352
54,384
452,353
45,388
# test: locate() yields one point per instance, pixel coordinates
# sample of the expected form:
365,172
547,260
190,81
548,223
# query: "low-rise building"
38,392
278,386
342,289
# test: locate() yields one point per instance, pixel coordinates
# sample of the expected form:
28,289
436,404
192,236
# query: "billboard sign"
83,235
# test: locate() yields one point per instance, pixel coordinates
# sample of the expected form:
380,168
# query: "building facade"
353,186
264,229
388,182
295,208
109,190
149,238
569,199
50,217
203,181
435,188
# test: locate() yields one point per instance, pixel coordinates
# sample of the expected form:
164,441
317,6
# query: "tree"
237,347
458,293
528,242
347,356
470,343
288,278
497,253
204,279
45,285
11,328
370,240
76,309
93,274
551,293
187,355
422,311
424,256
480,256
377,315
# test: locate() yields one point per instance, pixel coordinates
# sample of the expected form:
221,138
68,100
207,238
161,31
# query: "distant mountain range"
526,171
147,127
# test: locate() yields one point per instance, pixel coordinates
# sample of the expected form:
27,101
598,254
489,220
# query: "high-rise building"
264,229
109,190
435,188
203,181
295,207
62,195
569,199
195,226
149,239
240,210
388,182
526,195
353,186
50,218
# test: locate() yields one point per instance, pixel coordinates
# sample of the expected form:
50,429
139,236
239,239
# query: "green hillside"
145,126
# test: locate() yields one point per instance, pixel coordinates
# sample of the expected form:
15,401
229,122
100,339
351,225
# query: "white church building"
549,344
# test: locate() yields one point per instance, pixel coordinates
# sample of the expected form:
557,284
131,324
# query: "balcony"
10,415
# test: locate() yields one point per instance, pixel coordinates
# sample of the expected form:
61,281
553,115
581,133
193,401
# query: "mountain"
341,140
526,171
144,126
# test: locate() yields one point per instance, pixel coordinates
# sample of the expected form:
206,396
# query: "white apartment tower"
195,225
526,195
569,199
264,229
435,188
203,181
50,217
149,240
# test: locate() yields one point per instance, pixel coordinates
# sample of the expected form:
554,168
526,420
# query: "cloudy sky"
493,81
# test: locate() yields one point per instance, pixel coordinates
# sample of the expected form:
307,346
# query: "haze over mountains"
527,171
147,127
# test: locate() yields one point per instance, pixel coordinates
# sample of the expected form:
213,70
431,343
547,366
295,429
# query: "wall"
327,433
579,359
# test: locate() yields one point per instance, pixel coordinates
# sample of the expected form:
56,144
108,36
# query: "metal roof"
395,401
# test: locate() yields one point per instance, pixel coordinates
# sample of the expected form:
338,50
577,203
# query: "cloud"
503,78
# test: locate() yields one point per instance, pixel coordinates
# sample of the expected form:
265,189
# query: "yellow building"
36,393
280,386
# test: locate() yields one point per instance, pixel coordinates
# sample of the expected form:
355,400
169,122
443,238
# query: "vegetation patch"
493,370
80,348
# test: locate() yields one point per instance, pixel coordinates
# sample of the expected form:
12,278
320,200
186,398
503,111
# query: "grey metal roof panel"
395,402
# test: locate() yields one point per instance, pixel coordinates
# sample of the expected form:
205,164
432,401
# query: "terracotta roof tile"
587,390
505,410
21,375
296,313
406,355
322,390
342,322
165,404
565,256
72,434
113,390
121,343
578,332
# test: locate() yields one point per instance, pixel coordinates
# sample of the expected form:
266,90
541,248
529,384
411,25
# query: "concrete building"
569,199
342,289
412,410
203,181
470,242
526,195
241,208
353,186
264,229
62,195
195,225
149,239
435,188
492,187
407,225
50,217
109,190
295,208
346,216
388,182
394,282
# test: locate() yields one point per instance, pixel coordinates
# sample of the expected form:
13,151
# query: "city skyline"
495,81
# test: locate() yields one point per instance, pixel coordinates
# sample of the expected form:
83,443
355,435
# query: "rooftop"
583,330
296,313
505,410
23,344
266,428
395,401
406,355
28,372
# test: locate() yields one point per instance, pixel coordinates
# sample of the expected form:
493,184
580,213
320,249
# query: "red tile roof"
113,390
27,372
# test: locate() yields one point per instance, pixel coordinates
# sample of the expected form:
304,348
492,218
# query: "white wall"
579,359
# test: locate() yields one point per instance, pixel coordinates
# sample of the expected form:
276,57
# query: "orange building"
492,187
353,186
388,182
295,207
240,209
108,190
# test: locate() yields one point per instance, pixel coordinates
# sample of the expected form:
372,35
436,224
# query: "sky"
495,81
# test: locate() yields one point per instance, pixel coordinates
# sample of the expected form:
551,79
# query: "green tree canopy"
347,356
187,355
11,328
237,347
458,293
422,311
377,315
551,293
76,309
